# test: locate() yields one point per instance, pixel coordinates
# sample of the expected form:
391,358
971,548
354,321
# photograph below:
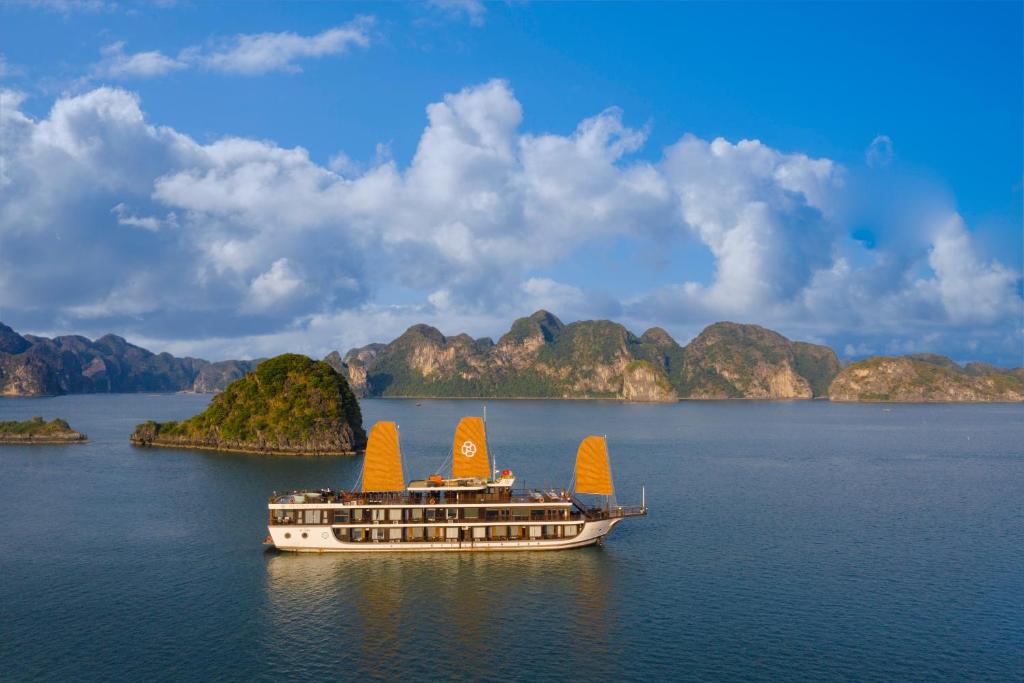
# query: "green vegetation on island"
289,405
39,431
923,378
540,357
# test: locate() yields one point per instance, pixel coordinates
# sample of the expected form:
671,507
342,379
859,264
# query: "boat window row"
451,534
420,515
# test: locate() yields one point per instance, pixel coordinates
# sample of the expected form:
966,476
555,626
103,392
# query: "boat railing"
360,499
572,517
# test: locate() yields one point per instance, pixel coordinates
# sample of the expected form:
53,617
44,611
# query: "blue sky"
230,180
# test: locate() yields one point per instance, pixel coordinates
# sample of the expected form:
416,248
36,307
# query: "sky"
238,180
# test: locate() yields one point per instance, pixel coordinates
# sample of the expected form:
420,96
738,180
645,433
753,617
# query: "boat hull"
320,539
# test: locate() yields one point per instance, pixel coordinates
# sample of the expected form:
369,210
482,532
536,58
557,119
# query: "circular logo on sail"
468,449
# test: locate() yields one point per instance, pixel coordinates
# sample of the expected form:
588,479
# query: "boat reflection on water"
363,611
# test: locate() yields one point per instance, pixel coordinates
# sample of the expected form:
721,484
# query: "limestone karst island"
290,405
539,357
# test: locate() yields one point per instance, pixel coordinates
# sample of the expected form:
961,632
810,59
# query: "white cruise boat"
476,509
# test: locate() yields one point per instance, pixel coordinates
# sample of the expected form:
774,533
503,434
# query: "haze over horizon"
315,177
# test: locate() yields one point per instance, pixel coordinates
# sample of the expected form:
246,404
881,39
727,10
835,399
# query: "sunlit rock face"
926,378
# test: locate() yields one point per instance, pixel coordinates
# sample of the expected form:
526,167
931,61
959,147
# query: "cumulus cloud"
763,214
971,291
241,247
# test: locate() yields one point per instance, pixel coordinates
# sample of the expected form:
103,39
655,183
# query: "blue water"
786,541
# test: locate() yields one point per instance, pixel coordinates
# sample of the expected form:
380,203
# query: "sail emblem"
470,459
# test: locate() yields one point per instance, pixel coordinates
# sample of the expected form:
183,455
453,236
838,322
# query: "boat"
477,508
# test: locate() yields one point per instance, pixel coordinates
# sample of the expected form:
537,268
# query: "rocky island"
290,405
39,431
925,378
540,357
38,366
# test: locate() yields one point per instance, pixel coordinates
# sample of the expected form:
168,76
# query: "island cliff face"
540,357
37,366
728,360
926,378
289,405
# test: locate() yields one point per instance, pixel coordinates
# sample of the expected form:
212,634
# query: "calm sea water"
786,541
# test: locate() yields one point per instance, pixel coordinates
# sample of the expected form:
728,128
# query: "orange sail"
382,465
593,473
469,450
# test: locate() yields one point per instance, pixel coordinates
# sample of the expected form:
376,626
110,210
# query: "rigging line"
401,455
357,484
447,458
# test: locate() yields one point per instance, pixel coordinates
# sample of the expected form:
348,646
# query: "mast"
487,443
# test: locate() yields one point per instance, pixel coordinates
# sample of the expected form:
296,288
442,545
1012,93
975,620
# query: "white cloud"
247,54
125,217
109,222
879,152
115,63
971,291
473,10
275,286
763,215
264,52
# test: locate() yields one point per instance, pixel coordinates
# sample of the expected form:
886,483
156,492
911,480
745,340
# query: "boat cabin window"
453,513
416,514
430,515
472,513
395,514
341,516
284,516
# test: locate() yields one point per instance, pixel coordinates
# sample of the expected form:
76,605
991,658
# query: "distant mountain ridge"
540,357
38,366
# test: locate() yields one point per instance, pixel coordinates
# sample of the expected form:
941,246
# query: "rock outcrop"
729,360
643,381
926,378
290,405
